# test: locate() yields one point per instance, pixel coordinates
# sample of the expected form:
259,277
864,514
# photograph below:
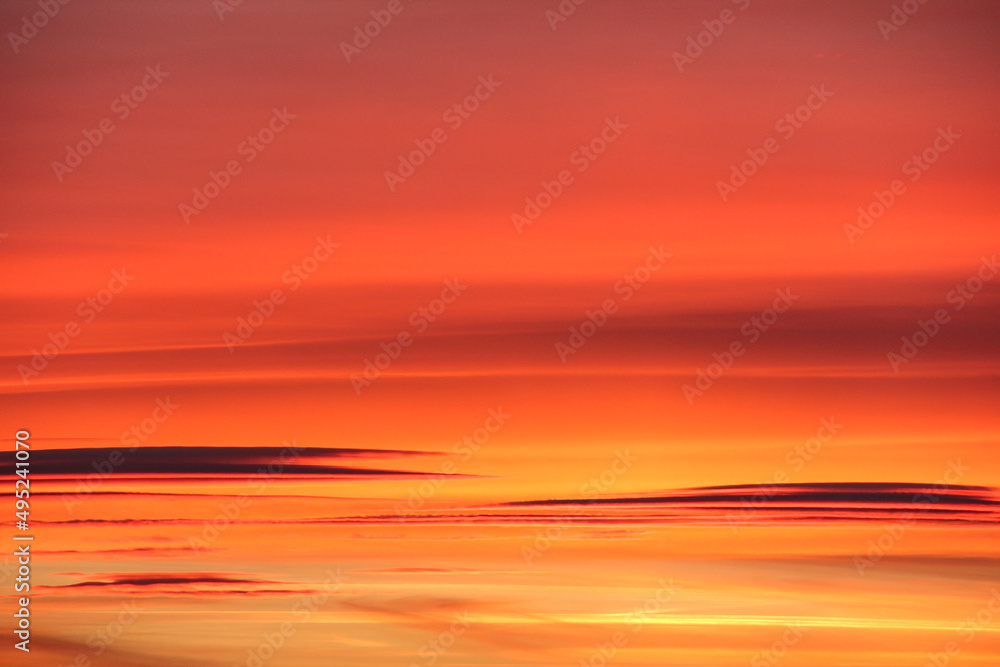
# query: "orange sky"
484,309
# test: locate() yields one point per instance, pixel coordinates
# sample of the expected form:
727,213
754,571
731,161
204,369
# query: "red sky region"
302,265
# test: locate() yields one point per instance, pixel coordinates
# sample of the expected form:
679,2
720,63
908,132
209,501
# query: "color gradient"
508,332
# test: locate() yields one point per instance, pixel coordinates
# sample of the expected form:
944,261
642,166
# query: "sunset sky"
459,341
